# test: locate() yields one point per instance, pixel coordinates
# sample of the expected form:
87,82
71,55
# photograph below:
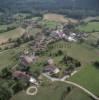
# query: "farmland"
9,57
58,18
87,77
77,51
11,34
89,27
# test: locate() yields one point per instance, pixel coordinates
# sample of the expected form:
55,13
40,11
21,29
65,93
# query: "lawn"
88,78
90,27
53,91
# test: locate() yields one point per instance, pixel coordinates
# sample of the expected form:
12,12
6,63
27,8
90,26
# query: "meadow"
89,27
54,92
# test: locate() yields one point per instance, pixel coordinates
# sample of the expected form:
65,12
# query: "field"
54,92
8,57
88,78
11,34
90,27
58,18
50,24
81,52
88,19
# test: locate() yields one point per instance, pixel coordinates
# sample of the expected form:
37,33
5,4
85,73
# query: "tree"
96,64
97,42
5,93
5,73
68,89
60,52
18,41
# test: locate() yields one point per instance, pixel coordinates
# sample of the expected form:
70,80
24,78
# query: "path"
32,93
74,84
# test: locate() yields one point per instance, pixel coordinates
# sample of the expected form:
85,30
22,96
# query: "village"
40,43
45,55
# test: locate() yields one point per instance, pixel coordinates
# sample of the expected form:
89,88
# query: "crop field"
58,18
11,34
90,27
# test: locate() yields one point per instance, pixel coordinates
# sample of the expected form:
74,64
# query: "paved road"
74,84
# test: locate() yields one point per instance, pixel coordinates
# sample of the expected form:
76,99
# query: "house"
50,61
27,59
51,70
24,76
20,75
72,37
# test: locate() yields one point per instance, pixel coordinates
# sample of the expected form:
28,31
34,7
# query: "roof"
26,59
32,80
20,74
51,69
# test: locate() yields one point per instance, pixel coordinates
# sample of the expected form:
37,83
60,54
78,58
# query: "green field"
90,27
8,57
53,91
12,34
82,52
50,24
88,78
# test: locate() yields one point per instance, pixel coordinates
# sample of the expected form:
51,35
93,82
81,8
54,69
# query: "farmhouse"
50,61
58,34
51,70
72,37
27,59
24,76
20,75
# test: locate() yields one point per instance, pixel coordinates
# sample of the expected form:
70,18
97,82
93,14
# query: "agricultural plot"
90,27
58,18
11,34
81,52
8,57
88,78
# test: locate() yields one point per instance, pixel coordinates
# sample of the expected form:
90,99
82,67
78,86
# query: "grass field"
53,91
50,24
11,34
58,18
82,52
90,27
88,78
90,19
8,57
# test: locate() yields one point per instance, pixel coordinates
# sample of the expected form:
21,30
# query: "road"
74,84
